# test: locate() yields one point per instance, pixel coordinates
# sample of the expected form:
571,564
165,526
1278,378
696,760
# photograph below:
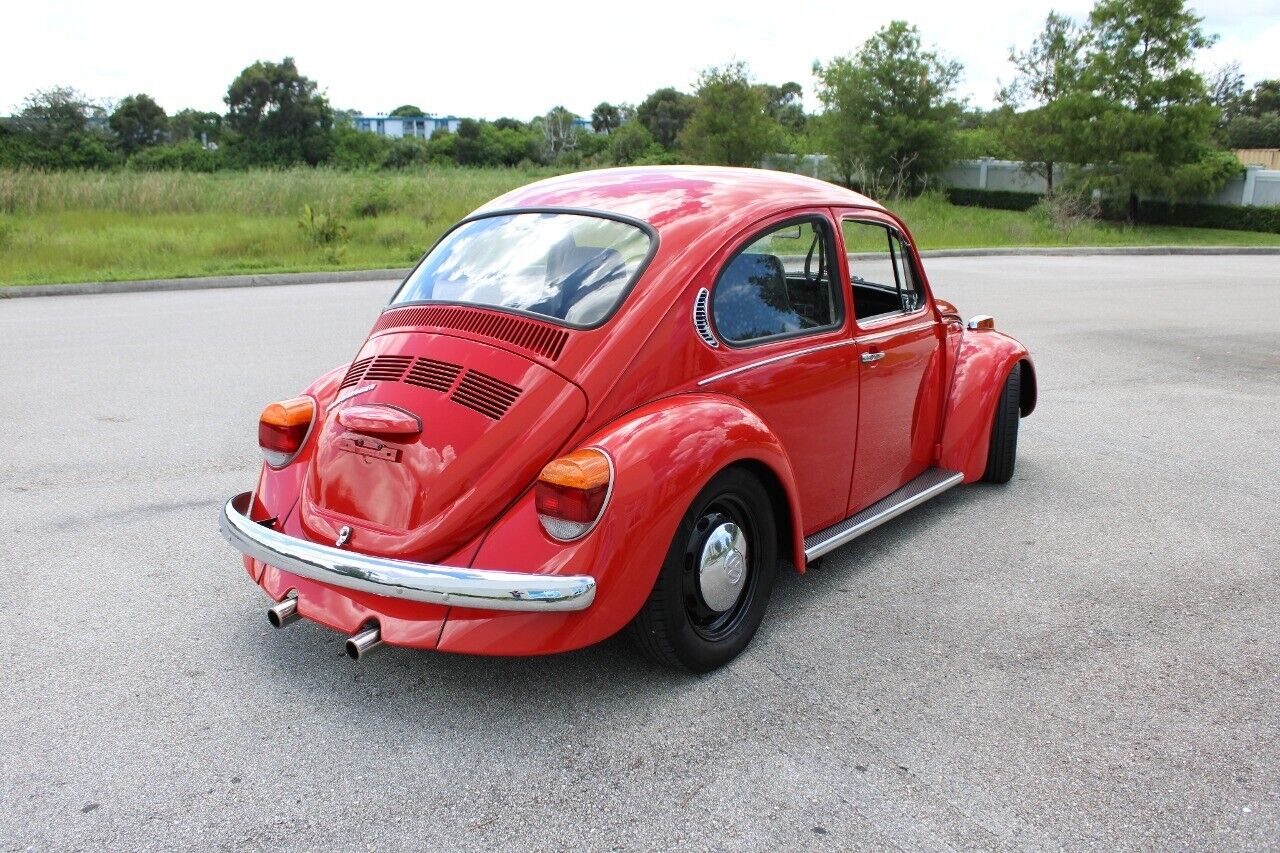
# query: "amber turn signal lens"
282,429
982,321
571,492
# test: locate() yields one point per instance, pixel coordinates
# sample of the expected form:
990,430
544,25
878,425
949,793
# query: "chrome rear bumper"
455,587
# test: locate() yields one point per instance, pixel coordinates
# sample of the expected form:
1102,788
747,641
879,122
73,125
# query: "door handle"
871,357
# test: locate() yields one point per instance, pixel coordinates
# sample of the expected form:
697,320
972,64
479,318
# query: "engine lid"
429,439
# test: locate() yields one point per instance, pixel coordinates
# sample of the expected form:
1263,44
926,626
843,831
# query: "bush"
995,199
406,151
1067,211
183,156
356,149
1265,219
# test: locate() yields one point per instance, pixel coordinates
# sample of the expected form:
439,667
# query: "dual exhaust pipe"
359,644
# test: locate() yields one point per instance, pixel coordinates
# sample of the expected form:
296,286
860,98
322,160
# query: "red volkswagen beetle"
617,399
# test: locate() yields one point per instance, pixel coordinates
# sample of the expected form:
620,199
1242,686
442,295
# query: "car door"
778,305
899,353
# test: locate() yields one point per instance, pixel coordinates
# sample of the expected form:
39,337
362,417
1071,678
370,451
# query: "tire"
688,621
1004,430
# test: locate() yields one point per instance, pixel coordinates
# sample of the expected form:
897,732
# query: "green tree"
888,112
195,125
630,142
1146,127
1263,98
605,118
138,122
407,110
1048,73
53,131
559,133
730,125
664,114
277,116
785,104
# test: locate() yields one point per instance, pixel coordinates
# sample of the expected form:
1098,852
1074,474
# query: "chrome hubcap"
722,569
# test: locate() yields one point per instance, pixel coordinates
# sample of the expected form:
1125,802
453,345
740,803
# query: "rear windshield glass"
567,266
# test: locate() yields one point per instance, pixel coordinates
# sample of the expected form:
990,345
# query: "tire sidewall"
695,651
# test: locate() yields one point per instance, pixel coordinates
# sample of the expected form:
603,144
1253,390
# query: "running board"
928,485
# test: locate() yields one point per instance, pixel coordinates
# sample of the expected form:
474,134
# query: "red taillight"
571,492
283,427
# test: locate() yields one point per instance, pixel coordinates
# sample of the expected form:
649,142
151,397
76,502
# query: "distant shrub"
183,156
325,231
1067,211
405,152
1265,219
995,199
356,149
373,204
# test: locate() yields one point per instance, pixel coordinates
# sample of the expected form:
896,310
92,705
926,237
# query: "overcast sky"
492,58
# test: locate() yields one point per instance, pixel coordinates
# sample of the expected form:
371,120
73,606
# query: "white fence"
1254,186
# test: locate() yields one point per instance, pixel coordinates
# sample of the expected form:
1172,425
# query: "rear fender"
983,363
277,491
663,453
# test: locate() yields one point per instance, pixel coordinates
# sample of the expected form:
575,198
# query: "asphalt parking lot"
1088,657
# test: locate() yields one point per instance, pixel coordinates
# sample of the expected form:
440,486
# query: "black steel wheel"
711,593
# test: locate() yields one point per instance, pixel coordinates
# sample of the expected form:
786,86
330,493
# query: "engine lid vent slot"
538,338
388,368
354,373
436,375
485,394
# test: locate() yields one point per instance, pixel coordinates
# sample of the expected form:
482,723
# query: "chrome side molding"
930,484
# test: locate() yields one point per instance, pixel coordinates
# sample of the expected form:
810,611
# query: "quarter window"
880,270
779,284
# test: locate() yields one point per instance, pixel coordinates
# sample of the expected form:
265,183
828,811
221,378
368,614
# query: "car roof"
690,199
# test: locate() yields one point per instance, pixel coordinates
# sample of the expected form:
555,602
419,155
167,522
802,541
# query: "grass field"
66,227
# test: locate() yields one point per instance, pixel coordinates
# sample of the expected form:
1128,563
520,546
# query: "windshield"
567,266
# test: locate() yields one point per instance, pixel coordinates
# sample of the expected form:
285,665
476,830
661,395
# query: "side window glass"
880,271
780,284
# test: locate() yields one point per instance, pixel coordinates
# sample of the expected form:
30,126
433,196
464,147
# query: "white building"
396,127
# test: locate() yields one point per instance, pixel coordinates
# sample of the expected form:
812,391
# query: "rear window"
566,266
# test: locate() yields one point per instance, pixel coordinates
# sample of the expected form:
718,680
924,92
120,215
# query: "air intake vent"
354,373
489,396
436,375
538,338
388,368
702,319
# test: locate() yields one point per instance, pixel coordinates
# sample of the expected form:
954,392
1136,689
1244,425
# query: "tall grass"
68,226
438,193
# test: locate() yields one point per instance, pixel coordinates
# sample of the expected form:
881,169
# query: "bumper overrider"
451,586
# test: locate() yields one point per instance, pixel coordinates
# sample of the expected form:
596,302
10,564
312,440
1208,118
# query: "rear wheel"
712,590
1004,430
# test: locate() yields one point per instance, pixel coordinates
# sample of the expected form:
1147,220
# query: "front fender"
983,362
664,453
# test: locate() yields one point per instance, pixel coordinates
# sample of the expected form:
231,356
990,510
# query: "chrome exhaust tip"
363,642
283,613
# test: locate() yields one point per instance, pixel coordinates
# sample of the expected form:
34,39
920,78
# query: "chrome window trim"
742,368
897,330
452,586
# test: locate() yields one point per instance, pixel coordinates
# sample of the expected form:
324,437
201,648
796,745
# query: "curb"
276,279
18,291
1069,251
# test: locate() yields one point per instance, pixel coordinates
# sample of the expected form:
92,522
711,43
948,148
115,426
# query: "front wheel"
712,590
1004,430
